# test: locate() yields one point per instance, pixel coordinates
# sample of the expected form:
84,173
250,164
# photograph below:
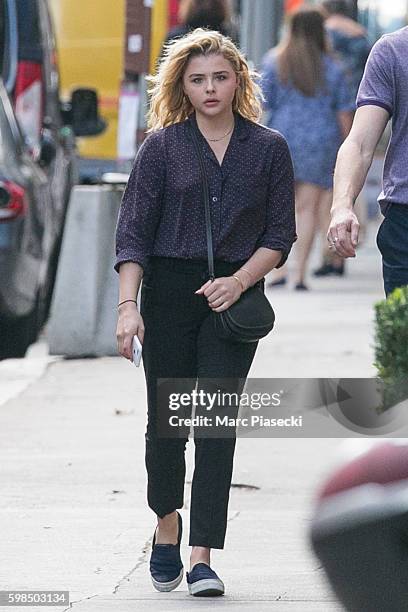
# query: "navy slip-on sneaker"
203,581
166,567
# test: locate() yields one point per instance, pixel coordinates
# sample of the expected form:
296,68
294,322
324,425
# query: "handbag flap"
252,306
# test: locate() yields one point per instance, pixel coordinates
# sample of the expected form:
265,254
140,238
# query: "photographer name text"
225,421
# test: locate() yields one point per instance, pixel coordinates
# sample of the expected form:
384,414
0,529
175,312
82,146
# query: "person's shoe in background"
328,269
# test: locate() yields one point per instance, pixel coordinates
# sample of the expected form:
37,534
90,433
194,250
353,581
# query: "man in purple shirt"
383,94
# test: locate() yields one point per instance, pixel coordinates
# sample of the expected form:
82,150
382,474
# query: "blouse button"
215,199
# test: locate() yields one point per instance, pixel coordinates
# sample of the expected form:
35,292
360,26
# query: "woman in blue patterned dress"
309,102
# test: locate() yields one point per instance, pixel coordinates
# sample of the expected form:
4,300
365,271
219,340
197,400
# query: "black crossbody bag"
251,317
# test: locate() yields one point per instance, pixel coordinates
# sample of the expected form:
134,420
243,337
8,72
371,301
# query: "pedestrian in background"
203,86
350,43
383,95
212,14
308,100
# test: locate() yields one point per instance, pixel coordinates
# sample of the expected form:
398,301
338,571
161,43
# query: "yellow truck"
90,41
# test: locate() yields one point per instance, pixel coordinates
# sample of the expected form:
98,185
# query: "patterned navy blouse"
251,196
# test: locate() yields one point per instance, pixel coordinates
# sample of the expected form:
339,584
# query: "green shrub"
391,345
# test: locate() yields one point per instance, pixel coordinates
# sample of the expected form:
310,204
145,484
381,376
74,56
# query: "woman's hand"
221,293
130,323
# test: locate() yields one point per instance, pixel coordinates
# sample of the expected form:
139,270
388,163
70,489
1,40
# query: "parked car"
37,168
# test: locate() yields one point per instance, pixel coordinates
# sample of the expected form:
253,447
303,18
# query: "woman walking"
309,102
203,91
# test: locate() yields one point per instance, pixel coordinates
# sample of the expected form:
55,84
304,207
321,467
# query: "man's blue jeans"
392,241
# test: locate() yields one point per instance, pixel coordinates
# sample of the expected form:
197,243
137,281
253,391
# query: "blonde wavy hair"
168,103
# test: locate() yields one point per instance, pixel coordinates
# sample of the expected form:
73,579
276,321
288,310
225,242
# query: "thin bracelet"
248,272
124,301
239,281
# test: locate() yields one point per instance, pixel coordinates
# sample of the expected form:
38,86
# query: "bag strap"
206,198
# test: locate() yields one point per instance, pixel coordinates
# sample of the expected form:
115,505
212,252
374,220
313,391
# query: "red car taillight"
13,202
28,100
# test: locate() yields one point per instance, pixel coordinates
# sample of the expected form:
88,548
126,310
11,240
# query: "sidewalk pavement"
73,514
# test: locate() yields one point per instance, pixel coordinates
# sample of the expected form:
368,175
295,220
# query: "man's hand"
343,232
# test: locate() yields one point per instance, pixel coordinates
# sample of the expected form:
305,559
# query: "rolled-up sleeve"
140,208
280,230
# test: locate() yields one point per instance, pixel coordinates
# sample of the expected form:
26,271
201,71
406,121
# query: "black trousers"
180,343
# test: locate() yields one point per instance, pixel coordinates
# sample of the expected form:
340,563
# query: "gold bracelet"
239,281
248,272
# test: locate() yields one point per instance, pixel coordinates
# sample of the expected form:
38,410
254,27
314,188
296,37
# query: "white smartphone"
136,351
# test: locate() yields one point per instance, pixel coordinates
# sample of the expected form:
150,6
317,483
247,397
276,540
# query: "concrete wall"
83,311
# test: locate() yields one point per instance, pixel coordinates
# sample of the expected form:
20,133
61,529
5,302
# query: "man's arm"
353,162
